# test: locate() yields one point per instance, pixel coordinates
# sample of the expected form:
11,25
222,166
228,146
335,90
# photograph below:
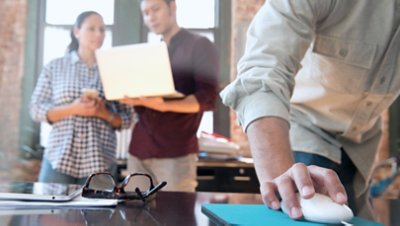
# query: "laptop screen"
137,70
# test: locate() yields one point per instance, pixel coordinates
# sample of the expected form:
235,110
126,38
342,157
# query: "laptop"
37,191
139,70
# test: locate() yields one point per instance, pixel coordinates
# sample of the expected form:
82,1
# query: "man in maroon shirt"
164,142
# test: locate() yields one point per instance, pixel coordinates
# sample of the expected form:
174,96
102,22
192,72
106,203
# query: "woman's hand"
86,107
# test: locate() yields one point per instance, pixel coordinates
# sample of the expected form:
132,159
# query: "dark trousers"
346,171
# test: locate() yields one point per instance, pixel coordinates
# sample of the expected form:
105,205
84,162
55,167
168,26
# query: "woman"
69,95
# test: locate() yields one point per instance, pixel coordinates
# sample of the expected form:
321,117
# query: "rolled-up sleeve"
41,101
277,40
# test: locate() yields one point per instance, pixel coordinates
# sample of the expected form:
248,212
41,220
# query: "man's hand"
303,179
155,103
279,176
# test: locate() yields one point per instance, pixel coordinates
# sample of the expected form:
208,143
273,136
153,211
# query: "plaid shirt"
78,146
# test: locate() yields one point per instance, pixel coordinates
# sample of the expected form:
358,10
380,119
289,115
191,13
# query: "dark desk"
169,209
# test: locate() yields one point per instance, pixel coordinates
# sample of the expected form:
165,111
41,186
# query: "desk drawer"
227,179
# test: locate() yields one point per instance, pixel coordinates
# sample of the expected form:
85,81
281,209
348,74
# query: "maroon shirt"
195,66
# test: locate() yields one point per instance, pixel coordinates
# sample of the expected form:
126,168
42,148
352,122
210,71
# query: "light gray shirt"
329,67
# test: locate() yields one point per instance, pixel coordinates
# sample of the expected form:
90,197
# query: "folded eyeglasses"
135,186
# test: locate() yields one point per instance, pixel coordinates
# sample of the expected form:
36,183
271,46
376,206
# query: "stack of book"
213,145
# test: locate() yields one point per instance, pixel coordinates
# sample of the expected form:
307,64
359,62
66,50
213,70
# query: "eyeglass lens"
137,181
103,182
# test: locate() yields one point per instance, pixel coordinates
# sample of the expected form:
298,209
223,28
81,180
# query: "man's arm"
270,147
205,74
279,177
189,104
277,40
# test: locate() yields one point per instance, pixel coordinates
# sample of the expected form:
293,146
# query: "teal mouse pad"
260,215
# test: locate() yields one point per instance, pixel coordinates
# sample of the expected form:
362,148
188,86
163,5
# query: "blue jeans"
50,175
346,170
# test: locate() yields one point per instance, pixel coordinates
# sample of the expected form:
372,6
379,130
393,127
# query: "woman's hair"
74,45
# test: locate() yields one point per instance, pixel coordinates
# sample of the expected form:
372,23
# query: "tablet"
37,191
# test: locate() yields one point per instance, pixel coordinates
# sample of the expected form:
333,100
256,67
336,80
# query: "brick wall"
12,44
12,30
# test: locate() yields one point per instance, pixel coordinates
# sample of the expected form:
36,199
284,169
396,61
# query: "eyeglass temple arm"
152,191
157,188
139,193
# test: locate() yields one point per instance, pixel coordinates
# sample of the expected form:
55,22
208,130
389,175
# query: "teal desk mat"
260,215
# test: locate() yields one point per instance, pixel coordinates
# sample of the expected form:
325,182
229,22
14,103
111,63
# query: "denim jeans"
50,175
346,170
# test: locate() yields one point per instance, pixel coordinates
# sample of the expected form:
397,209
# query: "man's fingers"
127,101
269,195
301,176
303,179
330,181
287,190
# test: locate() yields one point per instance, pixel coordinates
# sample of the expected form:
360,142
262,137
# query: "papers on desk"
77,202
217,146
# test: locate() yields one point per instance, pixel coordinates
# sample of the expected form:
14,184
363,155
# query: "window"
199,17
196,16
60,17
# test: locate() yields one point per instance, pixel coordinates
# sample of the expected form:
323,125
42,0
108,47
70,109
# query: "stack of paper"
218,146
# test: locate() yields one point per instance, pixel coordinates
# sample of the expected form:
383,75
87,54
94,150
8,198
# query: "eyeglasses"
136,186
384,177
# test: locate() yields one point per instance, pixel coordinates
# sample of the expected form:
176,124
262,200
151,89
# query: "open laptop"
138,70
36,191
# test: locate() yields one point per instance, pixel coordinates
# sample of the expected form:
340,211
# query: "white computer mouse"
322,209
